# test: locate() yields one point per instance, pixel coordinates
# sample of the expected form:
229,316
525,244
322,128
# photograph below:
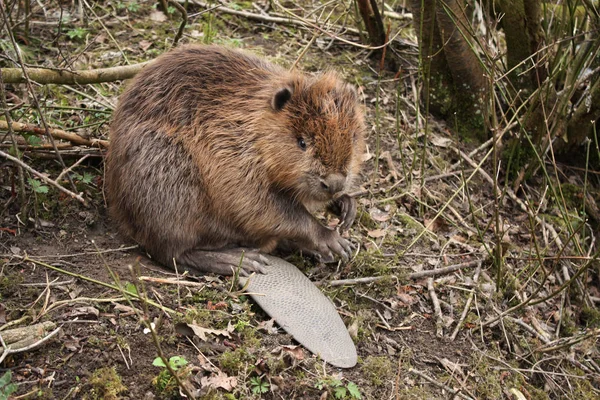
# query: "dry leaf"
440,141
191,330
406,299
221,380
145,45
295,351
376,233
158,16
379,216
101,38
85,311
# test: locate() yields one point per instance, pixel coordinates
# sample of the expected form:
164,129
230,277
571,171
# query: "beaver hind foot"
224,262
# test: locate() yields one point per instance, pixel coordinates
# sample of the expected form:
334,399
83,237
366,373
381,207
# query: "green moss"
590,317
364,218
165,384
9,283
236,361
106,384
378,370
366,321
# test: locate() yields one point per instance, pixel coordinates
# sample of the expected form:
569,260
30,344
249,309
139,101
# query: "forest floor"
516,318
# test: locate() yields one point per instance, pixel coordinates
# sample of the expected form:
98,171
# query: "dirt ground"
418,336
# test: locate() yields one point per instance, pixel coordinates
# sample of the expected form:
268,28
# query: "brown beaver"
215,152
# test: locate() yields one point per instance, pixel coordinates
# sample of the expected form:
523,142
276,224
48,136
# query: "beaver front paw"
329,243
345,208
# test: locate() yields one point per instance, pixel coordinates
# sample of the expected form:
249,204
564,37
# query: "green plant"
77,33
85,178
338,389
175,362
106,384
37,186
6,388
165,383
133,6
258,386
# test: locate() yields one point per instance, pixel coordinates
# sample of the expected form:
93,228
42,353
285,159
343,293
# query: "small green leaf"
33,140
335,382
77,33
37,186
353,390
339,392
158,362
130,288
177,362
5,379
87,177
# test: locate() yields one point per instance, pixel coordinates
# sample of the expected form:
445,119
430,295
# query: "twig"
467,305
108,32
31,91
66,171
512,195
437,310
13,139
444,270
42,177
95,281
184,17
56,133
529,329
413,276
45,76
53,283
301,22
169,281
9,350
438,384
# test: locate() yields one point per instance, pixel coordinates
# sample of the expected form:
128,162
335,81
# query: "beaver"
217,156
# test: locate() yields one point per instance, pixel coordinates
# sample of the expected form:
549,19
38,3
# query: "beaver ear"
280,99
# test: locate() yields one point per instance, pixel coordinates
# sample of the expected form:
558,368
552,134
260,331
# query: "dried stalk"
55,133
45,76
42,177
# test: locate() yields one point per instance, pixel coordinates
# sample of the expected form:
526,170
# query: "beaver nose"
333,183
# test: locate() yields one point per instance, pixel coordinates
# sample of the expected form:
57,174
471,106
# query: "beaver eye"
302,143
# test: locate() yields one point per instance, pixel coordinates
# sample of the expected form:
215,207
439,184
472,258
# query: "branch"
56,133
42,177
46,76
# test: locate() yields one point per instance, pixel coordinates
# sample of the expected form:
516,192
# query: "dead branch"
512,196
24,339
463,316
56,133
437,310
42,177
184,17
169,281
305,23
373,22
413,276
438,384
45,76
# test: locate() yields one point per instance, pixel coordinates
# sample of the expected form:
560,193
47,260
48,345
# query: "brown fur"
205,156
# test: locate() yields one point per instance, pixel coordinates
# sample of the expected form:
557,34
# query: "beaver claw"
345,208
225,262
332,243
